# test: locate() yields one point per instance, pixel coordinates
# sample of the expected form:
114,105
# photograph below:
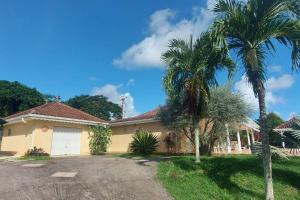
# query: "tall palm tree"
190,72
252,29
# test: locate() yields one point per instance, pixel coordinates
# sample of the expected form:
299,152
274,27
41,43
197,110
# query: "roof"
286,125
56,110
145,117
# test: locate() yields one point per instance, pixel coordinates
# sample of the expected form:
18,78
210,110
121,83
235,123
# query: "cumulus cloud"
272,86
162,28
112,92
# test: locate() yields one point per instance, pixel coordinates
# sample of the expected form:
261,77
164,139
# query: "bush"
99,139
36,152
144,142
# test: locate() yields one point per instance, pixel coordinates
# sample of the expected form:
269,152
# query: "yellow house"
57,128
62,130
124,129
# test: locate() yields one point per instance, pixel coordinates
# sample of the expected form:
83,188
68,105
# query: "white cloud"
272,86
147,53
112,92
282,82
293,114
93,78
130,82
275,68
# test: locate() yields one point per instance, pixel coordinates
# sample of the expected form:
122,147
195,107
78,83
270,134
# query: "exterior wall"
42,131
20,139
122,136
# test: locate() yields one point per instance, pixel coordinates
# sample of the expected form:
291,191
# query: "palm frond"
277,153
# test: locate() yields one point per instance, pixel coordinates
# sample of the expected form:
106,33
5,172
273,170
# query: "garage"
66,141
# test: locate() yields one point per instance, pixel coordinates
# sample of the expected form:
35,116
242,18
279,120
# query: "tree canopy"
98,106
224,107
190,71
15,97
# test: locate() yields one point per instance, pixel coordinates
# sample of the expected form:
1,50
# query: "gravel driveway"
97,177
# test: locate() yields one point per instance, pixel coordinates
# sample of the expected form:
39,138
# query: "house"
57,128
62,130
124,129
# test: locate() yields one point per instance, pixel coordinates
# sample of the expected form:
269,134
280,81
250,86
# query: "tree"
273,120
225,107
98,106
16,97
250,29
191,68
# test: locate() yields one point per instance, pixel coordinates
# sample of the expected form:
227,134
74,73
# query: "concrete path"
84,178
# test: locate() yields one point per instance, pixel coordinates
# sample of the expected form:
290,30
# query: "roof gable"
57,109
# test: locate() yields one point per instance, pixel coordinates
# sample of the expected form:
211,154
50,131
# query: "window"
9,132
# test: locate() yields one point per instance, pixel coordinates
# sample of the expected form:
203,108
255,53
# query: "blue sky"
70,48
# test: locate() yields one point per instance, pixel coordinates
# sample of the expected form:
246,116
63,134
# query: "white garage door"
66,141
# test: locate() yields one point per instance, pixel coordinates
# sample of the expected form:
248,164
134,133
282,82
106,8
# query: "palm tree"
251,29
190,72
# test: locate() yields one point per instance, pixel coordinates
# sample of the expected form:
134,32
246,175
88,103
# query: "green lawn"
228,177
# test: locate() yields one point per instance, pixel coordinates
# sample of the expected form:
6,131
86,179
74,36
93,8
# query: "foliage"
224,107
250,29
292,138
36,152
190,71
226,178
15,97
98,106
144,142
273,120
276,153
100,139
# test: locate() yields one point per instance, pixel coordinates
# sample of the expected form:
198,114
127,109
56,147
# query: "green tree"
273,120
98,106
16,97
191,68
225,107
250,29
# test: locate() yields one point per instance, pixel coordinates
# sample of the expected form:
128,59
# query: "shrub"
144,142
36,152
100,138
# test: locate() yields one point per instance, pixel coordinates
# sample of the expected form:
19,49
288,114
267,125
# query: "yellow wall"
122,136
21,139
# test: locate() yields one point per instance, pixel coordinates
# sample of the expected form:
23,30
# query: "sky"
113,48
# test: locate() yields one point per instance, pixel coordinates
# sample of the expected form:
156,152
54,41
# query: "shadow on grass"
221,169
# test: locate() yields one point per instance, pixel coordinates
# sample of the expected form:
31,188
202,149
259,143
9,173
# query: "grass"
228,177
35,158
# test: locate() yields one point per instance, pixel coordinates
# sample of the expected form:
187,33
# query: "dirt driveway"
97,177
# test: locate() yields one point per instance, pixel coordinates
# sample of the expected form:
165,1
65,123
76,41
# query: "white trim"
51,118
134,122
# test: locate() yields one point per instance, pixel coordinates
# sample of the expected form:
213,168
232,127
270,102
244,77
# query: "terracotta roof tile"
287,124
148,115
57,109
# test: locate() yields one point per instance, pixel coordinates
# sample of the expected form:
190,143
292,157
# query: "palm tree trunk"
266,151
197,143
